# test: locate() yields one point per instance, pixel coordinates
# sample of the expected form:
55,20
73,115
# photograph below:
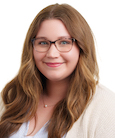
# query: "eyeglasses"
62,45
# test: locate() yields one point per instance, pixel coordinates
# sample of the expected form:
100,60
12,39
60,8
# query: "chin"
54,79
57,78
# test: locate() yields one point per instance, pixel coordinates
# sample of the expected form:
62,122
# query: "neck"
58,89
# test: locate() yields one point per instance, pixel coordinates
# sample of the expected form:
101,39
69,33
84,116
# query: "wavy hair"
21,95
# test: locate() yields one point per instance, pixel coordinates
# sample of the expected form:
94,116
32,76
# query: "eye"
64,42
43,43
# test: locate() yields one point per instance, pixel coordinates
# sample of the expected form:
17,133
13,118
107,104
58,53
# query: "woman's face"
55,65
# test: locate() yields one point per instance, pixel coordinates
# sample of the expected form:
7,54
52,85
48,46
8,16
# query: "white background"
16,16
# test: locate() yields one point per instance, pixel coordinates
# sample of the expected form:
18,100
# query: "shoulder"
2,107
101,110
103,99
102,91
98,119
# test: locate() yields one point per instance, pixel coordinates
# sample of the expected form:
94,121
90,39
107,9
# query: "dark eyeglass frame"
53,42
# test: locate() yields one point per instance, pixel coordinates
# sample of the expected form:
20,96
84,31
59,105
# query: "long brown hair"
21,95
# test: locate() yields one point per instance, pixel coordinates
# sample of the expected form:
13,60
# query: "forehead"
52,29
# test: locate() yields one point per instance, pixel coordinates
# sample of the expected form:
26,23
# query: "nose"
52,52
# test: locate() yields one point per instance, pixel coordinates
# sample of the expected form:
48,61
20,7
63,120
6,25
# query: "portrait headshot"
58,86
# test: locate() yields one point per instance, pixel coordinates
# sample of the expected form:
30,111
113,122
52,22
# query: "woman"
56,91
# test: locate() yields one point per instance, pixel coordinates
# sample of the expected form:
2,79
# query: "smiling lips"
54,64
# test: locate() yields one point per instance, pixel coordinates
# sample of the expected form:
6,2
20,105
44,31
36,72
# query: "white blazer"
98,119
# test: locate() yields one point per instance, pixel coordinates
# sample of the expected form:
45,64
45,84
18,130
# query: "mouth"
53,64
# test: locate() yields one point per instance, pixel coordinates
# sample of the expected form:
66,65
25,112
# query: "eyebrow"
60,37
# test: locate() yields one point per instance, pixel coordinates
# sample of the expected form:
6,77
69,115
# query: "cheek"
73,56
38,57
